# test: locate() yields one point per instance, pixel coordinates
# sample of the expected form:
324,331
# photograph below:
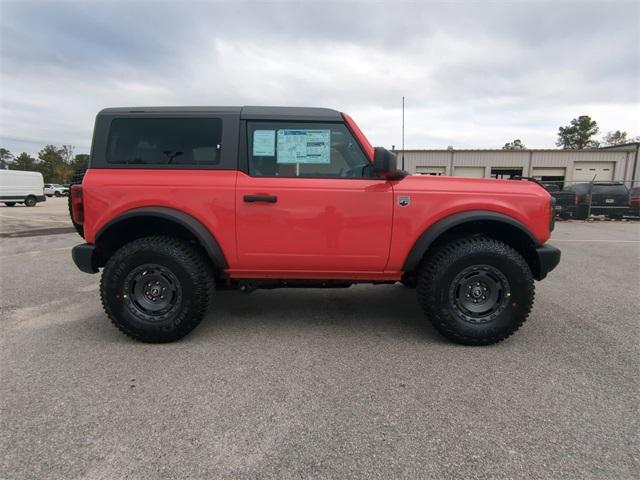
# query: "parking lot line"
577,240
35,252
35,219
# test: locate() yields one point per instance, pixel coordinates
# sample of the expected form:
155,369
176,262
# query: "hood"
470,185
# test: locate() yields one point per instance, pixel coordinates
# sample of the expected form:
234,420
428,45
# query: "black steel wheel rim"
152,291
479,293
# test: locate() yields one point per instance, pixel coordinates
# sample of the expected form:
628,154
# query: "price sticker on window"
264,143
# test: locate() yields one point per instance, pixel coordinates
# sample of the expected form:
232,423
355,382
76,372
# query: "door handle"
260,198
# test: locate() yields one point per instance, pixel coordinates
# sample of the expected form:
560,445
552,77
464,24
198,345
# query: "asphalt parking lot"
318,383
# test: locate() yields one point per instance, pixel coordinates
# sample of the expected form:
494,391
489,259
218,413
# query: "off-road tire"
30,201
439,290
10,204
173,257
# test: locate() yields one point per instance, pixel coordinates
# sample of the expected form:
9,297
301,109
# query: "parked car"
54,189
17,186
634,201
566,201
607,198
177,202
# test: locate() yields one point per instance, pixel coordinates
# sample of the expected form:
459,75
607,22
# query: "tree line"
57,164
579,134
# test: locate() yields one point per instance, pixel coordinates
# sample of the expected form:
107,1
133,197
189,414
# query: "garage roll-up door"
473,172
431,170
585,171
548,172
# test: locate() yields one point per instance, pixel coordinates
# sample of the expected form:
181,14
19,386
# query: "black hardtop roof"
246,112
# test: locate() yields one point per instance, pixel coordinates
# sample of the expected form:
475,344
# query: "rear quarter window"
164,141
610,189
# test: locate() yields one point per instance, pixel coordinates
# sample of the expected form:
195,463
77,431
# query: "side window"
165,141
312,150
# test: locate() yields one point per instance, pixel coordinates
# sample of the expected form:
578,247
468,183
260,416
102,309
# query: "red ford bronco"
179,202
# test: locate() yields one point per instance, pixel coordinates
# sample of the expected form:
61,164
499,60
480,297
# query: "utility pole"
403,132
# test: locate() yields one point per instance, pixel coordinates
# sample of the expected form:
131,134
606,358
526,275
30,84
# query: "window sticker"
264,143
304,146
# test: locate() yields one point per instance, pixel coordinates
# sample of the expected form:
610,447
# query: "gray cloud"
475,74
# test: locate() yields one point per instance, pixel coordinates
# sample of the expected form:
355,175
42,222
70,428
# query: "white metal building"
604,164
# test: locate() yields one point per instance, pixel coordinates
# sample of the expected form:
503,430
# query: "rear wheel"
156,289
10,204
476,291
30,201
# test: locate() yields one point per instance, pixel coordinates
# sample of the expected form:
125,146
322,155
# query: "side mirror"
385,164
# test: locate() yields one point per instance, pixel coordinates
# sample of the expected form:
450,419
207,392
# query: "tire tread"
433,266
195,265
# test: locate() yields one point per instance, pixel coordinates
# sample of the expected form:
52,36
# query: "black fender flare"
194,226
430,235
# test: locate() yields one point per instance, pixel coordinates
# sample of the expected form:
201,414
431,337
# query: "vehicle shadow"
379,309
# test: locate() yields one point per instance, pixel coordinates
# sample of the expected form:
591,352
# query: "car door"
308,202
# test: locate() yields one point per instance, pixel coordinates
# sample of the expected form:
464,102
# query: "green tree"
81,160
615,138
63,173
24,161
515,145
51,159
67,153
5,158
577,135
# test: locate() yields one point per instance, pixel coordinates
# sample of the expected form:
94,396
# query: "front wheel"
10,204
476,291
30,201
156,289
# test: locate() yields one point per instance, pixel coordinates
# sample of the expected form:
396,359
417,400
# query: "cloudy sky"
474,74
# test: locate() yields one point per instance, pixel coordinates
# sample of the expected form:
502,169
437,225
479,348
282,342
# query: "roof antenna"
403,132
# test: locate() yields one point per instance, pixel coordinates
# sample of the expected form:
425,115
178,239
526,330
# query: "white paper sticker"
304,146
264,143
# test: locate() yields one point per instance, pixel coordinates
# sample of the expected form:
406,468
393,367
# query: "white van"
17,186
